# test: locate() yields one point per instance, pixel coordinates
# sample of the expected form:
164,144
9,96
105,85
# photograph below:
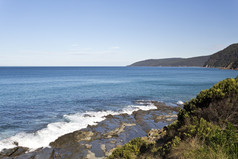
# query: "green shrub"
218,92
207,117
130,150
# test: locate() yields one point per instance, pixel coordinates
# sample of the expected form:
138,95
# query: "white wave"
180,102
43,137
147,107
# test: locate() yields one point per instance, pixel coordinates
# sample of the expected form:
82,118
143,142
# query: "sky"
112,32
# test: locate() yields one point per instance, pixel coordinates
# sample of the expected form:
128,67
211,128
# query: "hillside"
226,58
194,61
206,127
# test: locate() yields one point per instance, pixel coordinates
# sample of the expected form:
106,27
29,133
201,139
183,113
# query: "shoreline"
72,122
99,140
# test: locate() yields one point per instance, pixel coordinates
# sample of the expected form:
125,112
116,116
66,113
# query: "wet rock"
91,155
117,131
88,115
30,155
72,138
7,152
16,151
46,153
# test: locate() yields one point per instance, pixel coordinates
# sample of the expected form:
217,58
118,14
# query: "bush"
212,118
220,100
130,150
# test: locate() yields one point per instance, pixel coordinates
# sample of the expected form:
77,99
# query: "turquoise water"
41,102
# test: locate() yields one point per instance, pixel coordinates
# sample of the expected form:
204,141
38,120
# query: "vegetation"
234,65
130,150
206,128
194,61
227,58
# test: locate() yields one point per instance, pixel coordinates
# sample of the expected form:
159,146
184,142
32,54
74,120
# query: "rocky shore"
100,140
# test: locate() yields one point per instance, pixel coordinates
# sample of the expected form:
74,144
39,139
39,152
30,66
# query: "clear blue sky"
112,32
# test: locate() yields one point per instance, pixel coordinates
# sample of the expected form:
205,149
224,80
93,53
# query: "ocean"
39,104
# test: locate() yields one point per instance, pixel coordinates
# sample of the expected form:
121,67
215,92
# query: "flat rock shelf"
100,140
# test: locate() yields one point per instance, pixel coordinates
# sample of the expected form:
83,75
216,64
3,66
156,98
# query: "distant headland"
225,59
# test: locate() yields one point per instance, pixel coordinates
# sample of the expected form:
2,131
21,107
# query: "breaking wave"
73,122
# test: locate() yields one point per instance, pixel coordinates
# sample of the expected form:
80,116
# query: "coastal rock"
165,117
72,139
114,133
16,151
98,141
46,153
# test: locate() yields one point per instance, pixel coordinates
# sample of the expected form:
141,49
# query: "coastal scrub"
206,128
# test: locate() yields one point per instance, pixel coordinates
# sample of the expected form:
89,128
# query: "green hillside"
194,61
226,58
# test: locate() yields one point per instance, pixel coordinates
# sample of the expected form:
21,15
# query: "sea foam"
180,102
73,122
